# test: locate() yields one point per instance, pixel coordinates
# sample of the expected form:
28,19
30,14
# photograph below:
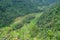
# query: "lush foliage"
29,20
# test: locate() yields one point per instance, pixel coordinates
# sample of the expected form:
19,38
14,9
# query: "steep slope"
28,24
49,24
11,9
16,26
41,26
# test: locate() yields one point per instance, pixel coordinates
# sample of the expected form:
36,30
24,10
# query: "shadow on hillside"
8,14
9,10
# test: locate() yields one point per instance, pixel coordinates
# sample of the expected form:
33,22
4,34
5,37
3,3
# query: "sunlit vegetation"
29,20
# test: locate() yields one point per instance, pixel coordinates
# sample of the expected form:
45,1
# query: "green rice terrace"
29,19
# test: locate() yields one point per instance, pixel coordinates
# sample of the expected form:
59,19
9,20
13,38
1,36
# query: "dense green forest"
29,19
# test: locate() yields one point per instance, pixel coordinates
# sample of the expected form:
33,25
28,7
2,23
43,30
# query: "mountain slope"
38,25
44,27
11,9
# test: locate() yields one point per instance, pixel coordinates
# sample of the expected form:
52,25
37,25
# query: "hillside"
11,9
29,20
